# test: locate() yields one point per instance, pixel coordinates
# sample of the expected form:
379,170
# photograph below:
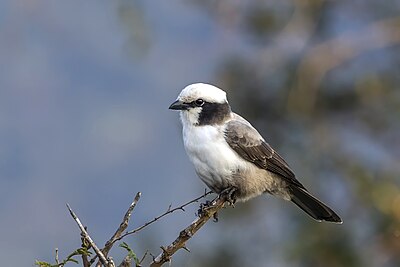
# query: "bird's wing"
250,145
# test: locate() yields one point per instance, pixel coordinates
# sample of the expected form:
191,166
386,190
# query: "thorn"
152,256
144,256
185,248
215,217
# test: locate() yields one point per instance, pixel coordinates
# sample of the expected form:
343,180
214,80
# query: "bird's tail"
312,206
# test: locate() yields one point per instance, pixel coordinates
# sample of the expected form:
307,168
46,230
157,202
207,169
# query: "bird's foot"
203,210
229,195
203,207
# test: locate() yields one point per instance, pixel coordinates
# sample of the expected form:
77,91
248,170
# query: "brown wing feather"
249,144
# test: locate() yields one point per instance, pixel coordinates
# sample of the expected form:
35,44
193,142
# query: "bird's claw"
229,195
203,207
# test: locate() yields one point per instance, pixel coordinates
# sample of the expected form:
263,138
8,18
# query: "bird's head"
202,104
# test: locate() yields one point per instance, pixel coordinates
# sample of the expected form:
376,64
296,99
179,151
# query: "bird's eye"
199,102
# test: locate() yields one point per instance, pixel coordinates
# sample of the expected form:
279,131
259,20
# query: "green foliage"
131,254
70,258
43,264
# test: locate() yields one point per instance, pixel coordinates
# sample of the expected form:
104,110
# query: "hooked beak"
179,105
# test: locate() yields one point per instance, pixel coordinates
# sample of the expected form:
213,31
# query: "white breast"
212,157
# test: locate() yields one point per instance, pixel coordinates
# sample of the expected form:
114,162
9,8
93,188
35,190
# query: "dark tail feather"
312,206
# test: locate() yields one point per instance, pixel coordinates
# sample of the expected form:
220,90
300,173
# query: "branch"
169,211
180,242
101,256
122,227
118,234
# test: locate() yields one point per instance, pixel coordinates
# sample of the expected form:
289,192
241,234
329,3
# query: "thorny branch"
169,211
180,242
101,254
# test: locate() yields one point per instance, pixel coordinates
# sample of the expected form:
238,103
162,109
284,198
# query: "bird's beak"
179,105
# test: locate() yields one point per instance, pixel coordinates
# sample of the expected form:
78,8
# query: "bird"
228,153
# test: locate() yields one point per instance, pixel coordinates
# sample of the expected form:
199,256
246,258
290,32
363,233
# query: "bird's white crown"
207,92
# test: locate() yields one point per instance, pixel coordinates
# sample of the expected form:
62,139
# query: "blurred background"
84,93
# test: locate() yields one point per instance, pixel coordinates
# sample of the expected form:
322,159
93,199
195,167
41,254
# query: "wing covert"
250,145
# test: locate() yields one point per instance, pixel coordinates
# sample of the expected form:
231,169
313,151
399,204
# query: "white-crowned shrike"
228,152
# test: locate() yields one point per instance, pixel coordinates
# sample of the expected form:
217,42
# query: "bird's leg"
229,195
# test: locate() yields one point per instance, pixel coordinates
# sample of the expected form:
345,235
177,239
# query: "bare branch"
122,227
180,242
101,256
169,211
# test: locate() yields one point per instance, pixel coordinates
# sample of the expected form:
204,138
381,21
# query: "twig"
169,211
57,260
144,256
122,227
180,242
101,256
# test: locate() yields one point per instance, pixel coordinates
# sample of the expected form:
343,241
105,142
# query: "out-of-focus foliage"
134,22
321,79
